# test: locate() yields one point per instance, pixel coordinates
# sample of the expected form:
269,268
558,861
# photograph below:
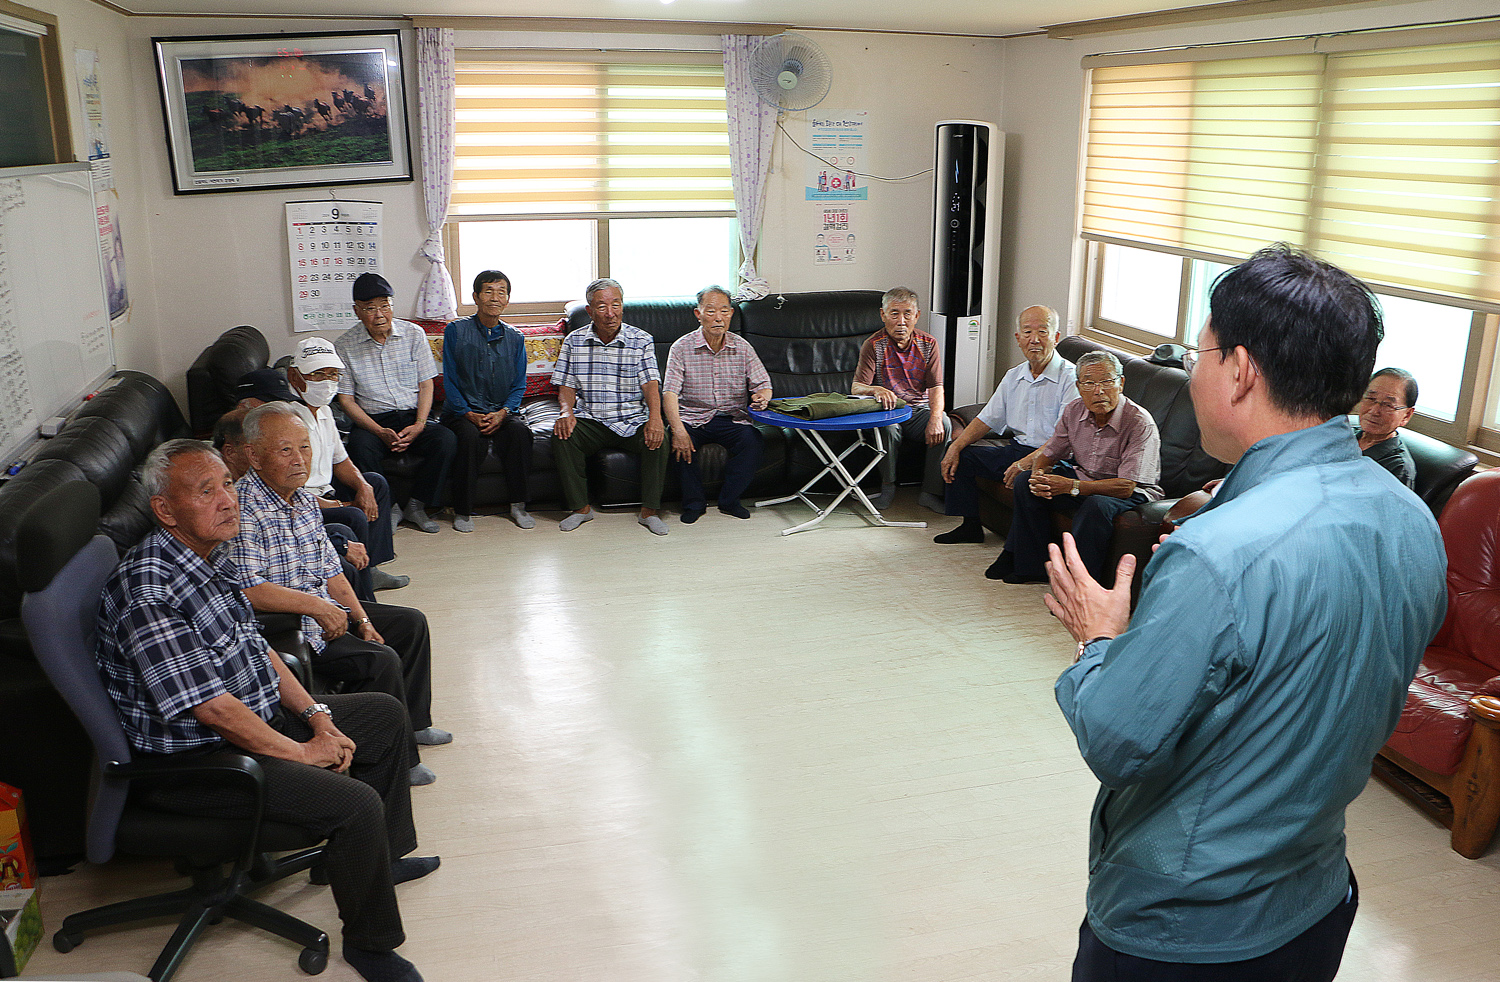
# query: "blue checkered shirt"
284,543
608,377
174,632
383,378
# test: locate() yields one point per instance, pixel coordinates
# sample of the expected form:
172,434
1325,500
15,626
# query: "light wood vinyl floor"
729,756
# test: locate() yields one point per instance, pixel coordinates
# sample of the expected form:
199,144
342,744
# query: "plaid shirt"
709,383
174,632
284,543
383,378
608,377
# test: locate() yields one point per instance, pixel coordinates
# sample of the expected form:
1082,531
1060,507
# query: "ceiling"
981,17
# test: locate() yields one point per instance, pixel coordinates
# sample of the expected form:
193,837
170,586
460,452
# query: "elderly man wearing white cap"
348,497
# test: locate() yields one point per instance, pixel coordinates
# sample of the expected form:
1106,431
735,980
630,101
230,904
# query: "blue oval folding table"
867,430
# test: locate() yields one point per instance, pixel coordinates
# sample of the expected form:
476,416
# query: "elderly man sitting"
180,656
286,564
1116,454
1390,402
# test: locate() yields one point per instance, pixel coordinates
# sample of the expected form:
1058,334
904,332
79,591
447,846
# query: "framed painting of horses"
257,111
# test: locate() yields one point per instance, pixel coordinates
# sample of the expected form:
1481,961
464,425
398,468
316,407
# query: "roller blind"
1385,162
564,138
1217,157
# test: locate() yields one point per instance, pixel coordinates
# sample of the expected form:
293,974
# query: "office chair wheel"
65,942
312,961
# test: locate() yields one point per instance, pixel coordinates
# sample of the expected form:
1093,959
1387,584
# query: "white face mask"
320,394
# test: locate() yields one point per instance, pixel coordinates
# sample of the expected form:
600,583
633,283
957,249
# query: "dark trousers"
362,580
375,535
591,436
976,461
365,814
1031,529
436,446
1312,956
916,429
512,443
402,667
743,443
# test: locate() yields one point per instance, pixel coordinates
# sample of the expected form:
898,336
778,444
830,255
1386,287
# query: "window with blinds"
562,138
1385,162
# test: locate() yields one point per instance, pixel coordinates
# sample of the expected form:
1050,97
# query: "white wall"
1043,119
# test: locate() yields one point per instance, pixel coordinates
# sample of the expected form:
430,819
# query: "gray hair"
255,418
899,294
155,471
716,288
1101,358
602,284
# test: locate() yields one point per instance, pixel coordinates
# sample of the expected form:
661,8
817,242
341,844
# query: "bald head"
1037,332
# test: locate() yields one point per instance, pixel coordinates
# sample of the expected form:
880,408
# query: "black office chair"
64,566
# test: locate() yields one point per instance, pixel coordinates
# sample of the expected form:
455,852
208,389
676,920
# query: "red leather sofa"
1445,753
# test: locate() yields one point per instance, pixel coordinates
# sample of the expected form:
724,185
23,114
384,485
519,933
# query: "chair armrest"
241,769
967,414
1486,710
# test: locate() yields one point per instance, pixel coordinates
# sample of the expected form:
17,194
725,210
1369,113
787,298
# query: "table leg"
834,464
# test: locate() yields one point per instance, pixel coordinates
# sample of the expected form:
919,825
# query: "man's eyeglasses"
1100,385
383,306
1370,402
1190,357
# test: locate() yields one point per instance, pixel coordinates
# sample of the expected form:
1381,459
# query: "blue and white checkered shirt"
174,632
608,377
383,378
284,543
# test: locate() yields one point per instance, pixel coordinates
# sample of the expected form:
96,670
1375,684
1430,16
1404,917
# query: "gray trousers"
916,429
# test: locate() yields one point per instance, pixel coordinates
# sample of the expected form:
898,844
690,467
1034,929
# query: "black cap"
371,285
265,384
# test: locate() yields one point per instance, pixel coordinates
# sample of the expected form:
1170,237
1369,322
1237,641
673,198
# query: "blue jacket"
1266,663
483,371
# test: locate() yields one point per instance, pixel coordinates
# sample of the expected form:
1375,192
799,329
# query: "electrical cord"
868,177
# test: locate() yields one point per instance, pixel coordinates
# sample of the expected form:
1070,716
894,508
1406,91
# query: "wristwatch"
315,709
1074,492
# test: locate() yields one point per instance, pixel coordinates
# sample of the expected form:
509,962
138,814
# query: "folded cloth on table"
826,405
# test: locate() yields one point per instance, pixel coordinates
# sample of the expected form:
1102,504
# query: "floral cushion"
543,344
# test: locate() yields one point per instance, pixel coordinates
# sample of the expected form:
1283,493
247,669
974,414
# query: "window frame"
55,80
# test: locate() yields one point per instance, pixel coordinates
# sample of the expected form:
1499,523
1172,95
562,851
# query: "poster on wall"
330,243
106,198
835,241
836,140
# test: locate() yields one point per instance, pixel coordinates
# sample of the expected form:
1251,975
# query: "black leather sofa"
1186,467
809,342
46,753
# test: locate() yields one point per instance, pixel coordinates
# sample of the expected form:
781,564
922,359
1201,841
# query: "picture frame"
254,112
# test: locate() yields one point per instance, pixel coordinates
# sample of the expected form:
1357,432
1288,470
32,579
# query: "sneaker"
654,524
521,517
463,523
416,515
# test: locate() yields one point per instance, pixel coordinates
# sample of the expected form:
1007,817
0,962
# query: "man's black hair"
1405,376
491,276
1312,329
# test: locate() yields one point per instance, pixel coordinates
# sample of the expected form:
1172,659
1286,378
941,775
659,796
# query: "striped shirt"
174,632
908,373
608,377
284,543
384,378
709,383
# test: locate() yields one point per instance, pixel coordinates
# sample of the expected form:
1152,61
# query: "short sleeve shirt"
1030,405
174,632
608,377
709,383
908,373
328,450
384,378
1126,446
283,542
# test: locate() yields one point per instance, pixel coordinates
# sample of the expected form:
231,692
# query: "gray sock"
521,517
654,523
574,520
885,498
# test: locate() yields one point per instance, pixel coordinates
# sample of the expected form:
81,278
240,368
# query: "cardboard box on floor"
17,864
21,915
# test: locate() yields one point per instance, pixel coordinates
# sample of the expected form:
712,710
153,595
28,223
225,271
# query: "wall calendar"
330,243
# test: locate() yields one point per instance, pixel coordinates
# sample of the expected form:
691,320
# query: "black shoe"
1014,577
735,510
691,515
1003,566
966,532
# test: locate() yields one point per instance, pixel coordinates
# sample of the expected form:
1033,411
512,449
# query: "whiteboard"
55,339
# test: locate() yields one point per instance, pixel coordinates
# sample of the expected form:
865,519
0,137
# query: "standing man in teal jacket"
1233,717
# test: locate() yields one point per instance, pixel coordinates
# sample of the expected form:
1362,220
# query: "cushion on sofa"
543,344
